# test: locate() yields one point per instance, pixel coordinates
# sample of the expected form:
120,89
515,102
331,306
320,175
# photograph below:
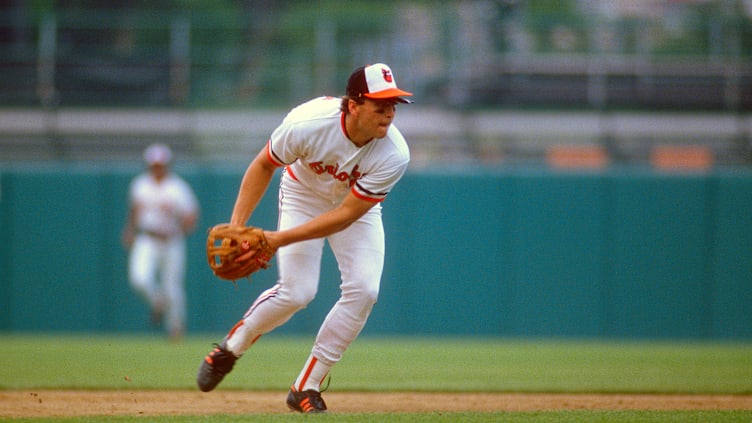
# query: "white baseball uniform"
159,245
321,167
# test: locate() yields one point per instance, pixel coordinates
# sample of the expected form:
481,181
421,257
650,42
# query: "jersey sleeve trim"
364,194
276,161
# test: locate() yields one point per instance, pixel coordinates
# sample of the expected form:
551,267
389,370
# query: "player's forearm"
252,188
319,227
130,219
323,225
188,223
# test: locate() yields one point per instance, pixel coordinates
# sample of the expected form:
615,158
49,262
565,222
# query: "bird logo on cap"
387,75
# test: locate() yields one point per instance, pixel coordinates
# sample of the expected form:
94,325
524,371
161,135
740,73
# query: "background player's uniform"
158,252
321,167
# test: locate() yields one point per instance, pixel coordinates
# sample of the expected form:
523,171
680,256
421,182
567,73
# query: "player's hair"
343,104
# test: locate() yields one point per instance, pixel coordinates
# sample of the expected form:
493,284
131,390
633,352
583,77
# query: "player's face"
376,116
158,170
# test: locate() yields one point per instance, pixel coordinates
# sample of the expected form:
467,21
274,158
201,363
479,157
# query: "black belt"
158,235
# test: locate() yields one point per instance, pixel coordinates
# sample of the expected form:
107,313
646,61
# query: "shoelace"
328,382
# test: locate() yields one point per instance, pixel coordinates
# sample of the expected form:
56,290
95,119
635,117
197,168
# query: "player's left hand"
236,251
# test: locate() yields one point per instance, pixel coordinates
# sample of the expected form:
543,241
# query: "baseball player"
162,211
340,158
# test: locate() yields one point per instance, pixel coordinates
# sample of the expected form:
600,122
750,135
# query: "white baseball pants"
153,260
359,251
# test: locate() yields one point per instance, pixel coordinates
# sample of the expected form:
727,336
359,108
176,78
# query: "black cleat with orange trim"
309,401
214,367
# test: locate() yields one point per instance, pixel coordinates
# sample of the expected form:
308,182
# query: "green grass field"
129,362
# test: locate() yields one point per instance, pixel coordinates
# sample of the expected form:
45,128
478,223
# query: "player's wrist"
273,239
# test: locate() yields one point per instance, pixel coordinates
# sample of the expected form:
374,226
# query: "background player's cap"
375,82
157,154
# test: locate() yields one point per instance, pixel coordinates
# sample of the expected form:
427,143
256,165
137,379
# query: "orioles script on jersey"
320,168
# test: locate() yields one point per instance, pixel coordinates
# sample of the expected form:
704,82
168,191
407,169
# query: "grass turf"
98,361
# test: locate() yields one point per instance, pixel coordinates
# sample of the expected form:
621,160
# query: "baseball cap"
375,82
157,154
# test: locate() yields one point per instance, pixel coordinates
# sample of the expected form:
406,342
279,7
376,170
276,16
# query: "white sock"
312,375
240,339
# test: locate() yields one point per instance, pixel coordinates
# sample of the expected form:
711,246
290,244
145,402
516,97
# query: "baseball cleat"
309,401
214,367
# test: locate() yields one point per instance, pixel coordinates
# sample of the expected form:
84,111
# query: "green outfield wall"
512,252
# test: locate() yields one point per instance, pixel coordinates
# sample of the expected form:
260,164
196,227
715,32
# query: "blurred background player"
162,210
341,157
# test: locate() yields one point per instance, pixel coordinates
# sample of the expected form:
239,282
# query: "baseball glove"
227,242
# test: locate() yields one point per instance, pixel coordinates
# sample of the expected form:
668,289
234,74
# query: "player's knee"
139,283
297,298
371,295
367,296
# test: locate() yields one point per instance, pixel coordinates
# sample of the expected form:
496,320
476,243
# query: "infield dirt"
49,403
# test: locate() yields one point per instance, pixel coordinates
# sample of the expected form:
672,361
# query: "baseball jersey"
162,206
312,143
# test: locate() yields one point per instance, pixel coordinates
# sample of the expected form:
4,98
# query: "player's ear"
352,106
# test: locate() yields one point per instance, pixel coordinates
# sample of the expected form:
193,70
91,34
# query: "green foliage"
547,8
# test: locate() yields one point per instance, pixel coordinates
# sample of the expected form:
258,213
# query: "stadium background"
581,167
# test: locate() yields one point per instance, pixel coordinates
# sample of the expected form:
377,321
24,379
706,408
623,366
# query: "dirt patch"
47,403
